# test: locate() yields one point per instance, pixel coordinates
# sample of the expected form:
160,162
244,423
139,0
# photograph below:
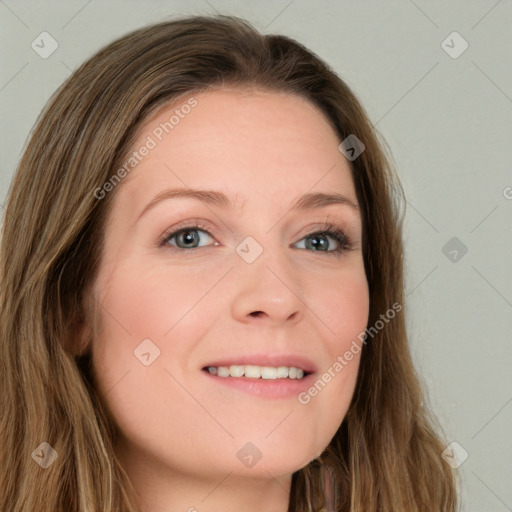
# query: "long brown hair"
386,455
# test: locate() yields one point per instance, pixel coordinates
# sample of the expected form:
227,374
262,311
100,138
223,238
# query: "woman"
264,367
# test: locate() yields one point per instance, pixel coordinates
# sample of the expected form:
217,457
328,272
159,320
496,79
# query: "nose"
267,290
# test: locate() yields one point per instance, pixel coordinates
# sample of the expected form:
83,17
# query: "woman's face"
259,279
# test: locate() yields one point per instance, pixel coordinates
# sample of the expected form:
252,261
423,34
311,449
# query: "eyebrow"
215,198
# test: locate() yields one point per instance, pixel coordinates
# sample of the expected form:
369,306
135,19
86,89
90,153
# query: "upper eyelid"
346,225
343,221
178,229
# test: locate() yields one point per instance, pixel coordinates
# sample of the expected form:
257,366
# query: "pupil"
189,237
317,242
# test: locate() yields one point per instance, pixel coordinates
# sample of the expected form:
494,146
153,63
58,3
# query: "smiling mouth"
257,372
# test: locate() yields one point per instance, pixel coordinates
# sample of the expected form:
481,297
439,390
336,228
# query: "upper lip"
267,360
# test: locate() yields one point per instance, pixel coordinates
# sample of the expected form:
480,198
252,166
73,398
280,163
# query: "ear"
78,339
83,338
81,332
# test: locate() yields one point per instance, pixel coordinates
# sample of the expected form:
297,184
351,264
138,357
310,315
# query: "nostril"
257,313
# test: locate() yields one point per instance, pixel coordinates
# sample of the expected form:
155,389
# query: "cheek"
343,309
150,302
172,309
341,303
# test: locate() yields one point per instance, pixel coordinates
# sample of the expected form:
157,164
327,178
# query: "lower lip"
267,388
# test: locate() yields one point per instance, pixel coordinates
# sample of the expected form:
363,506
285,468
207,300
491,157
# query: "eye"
329,239
185,238
320,241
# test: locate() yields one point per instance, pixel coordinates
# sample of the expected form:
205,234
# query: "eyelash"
343,241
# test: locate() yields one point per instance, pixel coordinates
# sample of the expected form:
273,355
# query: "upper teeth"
256,372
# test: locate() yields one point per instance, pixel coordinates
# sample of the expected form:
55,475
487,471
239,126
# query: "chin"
278,458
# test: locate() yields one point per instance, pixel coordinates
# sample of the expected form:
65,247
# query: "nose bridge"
266,284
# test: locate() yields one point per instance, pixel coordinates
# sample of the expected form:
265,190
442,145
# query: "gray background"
448,122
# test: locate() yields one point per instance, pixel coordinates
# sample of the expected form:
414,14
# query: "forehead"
252,145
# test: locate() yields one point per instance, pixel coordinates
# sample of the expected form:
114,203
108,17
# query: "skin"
180,434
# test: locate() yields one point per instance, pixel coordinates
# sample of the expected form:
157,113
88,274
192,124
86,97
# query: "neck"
162,489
